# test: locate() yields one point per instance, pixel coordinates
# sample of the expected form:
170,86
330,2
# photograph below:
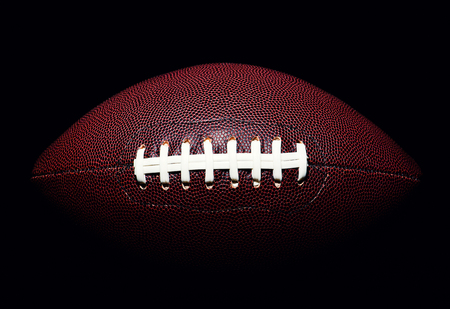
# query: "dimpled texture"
355,174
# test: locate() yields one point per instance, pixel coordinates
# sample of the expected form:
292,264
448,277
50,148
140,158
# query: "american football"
224,163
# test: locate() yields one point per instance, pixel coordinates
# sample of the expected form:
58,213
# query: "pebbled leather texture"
355,174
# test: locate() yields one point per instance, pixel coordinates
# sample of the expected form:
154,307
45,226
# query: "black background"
383,61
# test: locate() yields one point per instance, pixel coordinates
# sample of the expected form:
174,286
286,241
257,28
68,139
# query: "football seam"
403,175
315,166
367,170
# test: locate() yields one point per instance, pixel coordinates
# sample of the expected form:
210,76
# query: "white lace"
232,161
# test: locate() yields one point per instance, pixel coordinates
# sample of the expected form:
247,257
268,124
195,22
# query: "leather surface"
356,172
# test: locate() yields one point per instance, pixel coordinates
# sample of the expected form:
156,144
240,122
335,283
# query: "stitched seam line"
402,175
83,170
310,165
